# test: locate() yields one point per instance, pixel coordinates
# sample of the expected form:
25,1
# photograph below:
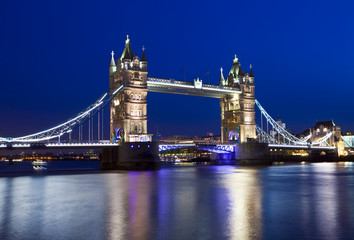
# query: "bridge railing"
187,83
170,81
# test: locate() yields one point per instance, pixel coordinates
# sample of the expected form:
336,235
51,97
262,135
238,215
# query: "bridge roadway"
220,148
196,88
215,147
299,147
23,146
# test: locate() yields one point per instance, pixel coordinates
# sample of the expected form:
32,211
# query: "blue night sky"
54,58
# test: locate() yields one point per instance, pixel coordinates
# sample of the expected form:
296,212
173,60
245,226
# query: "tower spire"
222,79
236,59
112,66
143,57
251,72
113,63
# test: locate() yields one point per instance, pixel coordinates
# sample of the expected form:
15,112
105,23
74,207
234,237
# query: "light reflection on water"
245,202
314,201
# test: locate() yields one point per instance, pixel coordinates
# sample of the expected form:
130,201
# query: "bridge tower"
128,110
237,111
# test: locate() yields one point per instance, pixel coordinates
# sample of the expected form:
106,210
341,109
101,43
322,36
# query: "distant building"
178,137
322,129
274,133
348,138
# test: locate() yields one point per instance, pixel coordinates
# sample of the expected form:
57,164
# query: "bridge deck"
162,146
300,147
56,145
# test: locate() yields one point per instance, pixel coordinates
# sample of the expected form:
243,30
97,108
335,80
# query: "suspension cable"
279,128
66,127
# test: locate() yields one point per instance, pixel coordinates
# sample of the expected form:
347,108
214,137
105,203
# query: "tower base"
252,153
131,156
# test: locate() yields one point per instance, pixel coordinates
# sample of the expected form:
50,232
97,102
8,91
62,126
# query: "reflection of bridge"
129,86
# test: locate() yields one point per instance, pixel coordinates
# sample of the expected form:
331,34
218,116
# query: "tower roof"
128,51
235,68
325,124
143,57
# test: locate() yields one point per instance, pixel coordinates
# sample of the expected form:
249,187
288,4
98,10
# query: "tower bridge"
129,107
129,85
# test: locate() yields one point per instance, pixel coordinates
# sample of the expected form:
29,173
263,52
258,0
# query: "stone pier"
252,153
131,156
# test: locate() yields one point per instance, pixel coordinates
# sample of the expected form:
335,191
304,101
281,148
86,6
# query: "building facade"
128,116
328,128
237,111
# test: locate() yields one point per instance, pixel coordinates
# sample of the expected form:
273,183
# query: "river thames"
304,201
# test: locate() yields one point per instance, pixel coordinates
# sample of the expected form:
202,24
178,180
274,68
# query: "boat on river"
39,164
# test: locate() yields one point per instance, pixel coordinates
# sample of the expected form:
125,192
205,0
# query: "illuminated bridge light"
206,147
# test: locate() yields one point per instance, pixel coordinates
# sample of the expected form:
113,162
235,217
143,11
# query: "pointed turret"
143,61
143,57
112,66
128,53
113,63
240,72
222,79
251,72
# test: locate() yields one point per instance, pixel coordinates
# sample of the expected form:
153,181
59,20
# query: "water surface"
312,201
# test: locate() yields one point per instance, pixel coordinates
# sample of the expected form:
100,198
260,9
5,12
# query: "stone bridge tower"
128,121
237,111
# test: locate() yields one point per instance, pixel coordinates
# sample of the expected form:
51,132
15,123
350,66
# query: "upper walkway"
196,88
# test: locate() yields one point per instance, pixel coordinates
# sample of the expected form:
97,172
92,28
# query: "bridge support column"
317,155
252,153
222,159
132,156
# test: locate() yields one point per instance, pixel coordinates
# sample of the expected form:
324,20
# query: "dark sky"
54,58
